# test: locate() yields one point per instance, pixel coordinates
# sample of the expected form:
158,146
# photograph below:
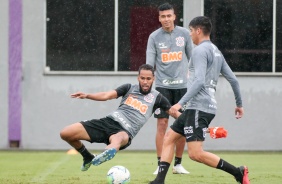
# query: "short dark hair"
146,67
202,22
165,6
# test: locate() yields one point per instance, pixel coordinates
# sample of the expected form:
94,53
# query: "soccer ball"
118,175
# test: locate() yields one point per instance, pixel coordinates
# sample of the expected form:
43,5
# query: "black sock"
85,153
159,159
231,169
163,168
177,160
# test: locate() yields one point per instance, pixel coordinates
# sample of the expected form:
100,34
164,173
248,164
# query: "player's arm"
200,67
174,114
231,78
100,96
174,110
103,96
151,52
163,103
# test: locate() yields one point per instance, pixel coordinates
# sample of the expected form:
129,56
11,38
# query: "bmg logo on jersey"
171,57
136,104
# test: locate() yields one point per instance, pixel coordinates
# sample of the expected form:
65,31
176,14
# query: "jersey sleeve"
200,67
151,52
162,102
231,78
123,89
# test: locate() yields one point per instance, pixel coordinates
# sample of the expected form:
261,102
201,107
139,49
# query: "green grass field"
53,167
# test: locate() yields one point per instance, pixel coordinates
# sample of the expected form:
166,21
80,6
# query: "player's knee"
170,137
162,126
167,140
120,138
64,134
195,156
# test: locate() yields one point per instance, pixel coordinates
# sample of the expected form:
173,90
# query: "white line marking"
41,176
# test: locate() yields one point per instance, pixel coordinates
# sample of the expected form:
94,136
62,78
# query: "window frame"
47,71
116,72
274,23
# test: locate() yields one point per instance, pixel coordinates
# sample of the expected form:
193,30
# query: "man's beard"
144,92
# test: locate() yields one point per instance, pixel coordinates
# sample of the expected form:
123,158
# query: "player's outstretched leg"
86,164
243,179
105,156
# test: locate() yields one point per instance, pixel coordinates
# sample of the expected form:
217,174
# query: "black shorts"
173,96
100,130
193,124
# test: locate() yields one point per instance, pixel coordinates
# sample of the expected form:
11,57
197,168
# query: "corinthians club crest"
180,41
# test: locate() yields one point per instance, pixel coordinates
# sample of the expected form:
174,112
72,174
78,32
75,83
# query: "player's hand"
79,95
174,110
239,111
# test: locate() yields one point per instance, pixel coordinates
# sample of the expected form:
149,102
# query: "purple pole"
15,71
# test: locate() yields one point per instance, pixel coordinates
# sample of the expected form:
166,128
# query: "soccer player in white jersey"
206,64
